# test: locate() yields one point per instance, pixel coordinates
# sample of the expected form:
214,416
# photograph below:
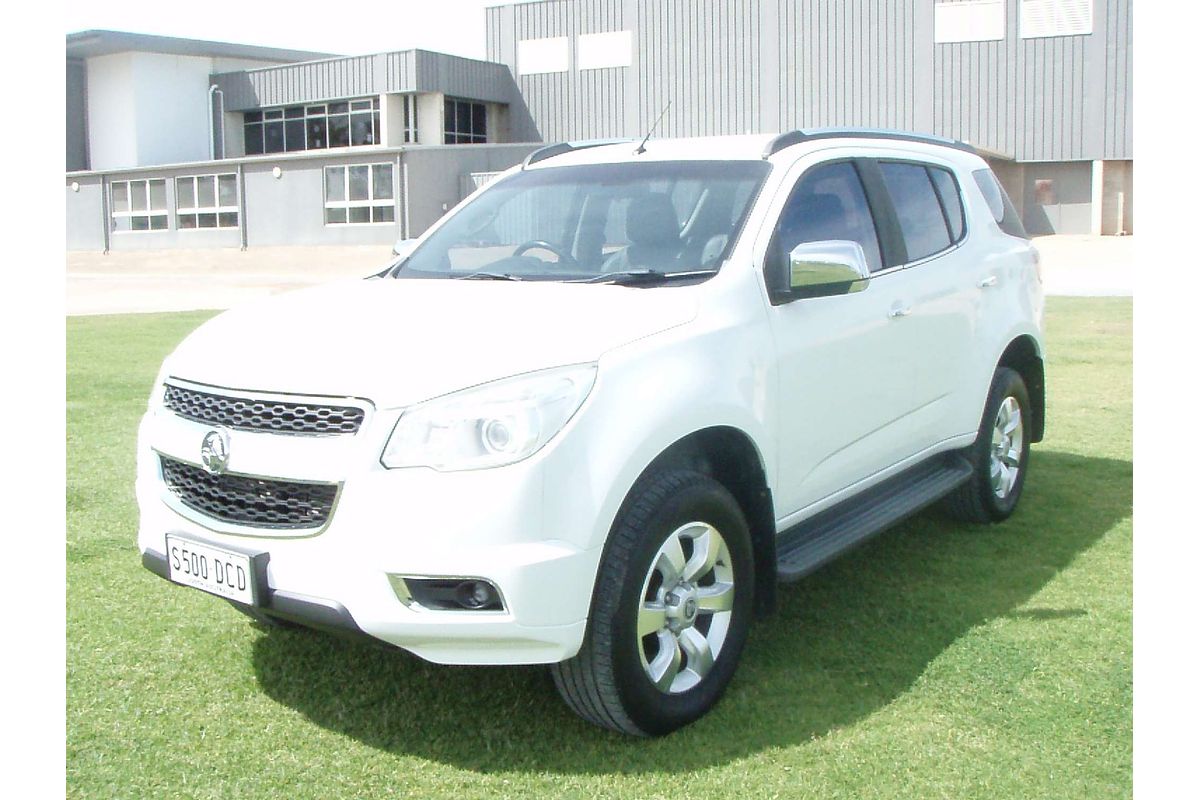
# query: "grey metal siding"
77,144
358,76
732,66
1040,99
862,64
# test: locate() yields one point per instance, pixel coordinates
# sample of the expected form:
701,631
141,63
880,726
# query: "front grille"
244,413
254,502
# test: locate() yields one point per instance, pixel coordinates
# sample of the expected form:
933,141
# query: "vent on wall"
1041,18
968,21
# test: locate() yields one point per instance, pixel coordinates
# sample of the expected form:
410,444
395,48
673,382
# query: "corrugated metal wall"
358,76
77,144
1055,99
731,66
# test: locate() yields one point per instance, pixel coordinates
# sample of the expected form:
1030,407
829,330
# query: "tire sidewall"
1007,383
651,710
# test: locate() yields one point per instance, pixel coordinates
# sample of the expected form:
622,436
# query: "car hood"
398,342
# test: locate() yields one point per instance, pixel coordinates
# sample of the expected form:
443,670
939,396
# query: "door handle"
988,282
899,311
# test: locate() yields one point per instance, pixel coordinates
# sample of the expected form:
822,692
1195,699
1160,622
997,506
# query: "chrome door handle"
987,282
898,312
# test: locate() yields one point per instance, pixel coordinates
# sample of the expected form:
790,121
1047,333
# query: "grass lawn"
938,661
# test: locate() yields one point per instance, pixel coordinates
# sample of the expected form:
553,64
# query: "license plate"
213,569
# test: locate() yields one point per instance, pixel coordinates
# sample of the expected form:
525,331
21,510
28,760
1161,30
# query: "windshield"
591,221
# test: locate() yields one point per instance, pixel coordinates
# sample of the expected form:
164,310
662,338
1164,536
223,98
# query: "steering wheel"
542,244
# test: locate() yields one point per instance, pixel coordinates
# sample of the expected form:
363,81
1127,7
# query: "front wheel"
1000,454
670,611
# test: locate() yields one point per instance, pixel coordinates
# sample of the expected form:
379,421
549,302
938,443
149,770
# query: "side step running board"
818,540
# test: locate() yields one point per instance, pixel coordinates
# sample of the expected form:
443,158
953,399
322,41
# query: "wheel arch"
729,456
1024,355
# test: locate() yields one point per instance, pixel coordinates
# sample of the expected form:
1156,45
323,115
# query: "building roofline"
91,43
231,163
326,59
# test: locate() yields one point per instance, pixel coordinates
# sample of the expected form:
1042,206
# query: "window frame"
305,114
890,202
217,210
458,133
129,213
861,166
346,204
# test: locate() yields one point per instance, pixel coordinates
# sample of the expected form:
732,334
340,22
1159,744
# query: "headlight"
491,425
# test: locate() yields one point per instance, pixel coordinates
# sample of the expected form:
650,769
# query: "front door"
846,366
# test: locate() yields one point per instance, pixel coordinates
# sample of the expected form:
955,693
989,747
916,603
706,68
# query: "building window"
206,201
139,205
359,194
1043,18
968,21
345,123
410,118
466,122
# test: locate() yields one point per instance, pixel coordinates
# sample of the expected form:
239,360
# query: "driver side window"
828,203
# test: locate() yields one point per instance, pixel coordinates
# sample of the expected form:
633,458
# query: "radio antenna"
641,148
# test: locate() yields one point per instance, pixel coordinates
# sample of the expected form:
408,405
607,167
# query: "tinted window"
947,190
580,222
999,204
828,203
917,209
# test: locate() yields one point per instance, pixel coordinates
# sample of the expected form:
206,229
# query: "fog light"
447,594
475,594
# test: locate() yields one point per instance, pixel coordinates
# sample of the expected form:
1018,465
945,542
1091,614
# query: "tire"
664,529
1000,454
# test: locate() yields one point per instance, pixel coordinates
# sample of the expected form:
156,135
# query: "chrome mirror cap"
819,269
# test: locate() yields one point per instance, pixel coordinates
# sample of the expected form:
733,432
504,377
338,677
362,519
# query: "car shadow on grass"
847,641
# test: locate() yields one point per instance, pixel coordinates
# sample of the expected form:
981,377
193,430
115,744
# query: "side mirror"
824,269
403,247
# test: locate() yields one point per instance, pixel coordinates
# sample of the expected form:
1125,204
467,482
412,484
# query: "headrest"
650,220
816,217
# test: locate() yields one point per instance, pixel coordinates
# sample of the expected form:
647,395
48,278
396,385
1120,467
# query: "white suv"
598,412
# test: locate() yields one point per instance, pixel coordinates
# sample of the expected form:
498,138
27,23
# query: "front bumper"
490,524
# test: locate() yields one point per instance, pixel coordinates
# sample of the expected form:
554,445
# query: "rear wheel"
1000,454
670,612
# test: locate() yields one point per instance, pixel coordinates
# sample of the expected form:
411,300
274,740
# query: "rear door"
939,320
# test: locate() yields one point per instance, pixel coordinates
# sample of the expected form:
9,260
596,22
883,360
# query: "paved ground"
180,280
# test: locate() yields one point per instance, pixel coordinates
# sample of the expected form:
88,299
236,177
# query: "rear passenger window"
829,203
998,203
947,191
917,208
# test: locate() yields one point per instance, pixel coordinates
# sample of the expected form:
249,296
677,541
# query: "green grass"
938,661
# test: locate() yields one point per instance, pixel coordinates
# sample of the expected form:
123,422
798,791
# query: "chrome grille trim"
248,501
243,411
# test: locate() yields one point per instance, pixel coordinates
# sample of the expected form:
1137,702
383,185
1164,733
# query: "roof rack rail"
785,140
552,150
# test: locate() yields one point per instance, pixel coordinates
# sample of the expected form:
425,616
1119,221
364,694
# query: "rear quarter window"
998,203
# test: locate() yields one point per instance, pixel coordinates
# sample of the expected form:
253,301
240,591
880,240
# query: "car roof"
751,147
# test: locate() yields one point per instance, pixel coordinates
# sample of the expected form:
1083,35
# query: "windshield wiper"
646,277
490,276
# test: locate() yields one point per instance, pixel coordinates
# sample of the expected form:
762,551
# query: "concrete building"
177,143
